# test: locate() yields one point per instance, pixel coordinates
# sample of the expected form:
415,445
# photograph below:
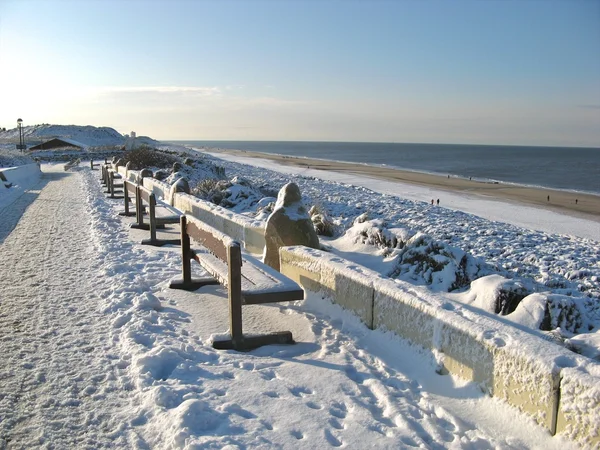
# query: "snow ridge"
88,134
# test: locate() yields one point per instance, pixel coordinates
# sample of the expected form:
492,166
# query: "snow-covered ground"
97,352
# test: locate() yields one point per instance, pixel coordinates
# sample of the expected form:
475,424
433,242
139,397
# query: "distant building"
130,142
57,143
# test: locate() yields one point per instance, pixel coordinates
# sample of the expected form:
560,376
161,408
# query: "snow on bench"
248,280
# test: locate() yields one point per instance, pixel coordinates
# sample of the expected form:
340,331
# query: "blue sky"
497,72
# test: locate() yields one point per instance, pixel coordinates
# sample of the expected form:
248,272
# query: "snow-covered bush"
324,225
435,263
10,158
145,156
553,312
374,232
237,194
265,207
495,294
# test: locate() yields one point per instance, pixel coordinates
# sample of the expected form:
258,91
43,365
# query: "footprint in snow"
333,440
268,374
267,425
301,391
335,423
297,434
243,365
338,411
354,375
313,405
409,441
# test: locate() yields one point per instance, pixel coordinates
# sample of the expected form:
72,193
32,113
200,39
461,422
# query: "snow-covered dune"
88,135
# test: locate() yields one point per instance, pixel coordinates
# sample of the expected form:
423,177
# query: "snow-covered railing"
540,378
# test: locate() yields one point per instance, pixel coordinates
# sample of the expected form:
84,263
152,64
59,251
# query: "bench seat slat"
260,284
213,265
260,277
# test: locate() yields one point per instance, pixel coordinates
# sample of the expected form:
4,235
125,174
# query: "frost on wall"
579,409
528,380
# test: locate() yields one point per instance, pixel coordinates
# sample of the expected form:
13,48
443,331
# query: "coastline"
587,206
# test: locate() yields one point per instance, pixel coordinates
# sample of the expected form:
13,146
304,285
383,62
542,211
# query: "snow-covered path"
60,385
96,352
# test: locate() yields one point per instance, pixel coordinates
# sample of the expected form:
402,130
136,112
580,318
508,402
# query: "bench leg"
234,290
253,342
153,226
187,283
139,213
193,284
127,212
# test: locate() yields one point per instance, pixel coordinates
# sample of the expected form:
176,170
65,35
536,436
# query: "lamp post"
21,145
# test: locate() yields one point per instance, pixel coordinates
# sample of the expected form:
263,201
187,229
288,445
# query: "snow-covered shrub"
324,225
587,344
145,156
374,232
9,158
237,194
265,207
201,173
204,187
495,294
160,175
563,312
549,312
437,264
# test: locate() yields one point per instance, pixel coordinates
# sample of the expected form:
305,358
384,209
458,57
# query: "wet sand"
587,206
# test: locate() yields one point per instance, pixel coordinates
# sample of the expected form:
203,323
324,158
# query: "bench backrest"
129,186
215,241
147,195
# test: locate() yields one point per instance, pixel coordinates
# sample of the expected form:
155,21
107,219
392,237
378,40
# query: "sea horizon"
571,169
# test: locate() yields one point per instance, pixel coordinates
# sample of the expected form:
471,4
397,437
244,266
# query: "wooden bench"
166,215
248,280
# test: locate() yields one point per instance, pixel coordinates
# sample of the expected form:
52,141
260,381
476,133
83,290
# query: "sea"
563,168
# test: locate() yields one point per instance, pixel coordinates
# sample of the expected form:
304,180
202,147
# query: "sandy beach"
575,204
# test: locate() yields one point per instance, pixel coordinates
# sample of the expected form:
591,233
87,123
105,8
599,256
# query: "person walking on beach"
438,202
431,202
548,198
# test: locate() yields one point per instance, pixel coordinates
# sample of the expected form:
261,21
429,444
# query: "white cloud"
201,90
